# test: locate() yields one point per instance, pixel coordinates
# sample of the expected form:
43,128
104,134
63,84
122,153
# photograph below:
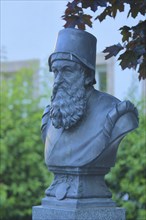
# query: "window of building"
104,74
102,81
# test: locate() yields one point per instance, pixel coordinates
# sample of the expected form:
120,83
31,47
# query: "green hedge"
24,176
128,178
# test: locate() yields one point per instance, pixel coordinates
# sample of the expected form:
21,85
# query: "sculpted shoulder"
105,98
117,117
101,103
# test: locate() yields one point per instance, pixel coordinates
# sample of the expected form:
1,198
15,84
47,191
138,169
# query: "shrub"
128,178
24,176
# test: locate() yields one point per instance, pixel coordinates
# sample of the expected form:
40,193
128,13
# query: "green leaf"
86,19
113,50
102,16
128,59
71,21
93,4
142,70
125,31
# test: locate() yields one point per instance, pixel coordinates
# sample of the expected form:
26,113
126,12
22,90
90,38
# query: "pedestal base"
99,213
80,209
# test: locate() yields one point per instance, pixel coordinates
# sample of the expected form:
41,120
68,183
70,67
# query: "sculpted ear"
89,78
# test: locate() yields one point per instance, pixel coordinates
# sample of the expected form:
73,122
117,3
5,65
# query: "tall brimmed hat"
75,45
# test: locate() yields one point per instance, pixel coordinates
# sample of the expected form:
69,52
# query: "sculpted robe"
94,140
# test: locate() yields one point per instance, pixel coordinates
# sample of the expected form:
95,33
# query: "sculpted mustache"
61,85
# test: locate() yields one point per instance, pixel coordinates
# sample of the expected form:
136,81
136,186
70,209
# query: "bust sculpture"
82,127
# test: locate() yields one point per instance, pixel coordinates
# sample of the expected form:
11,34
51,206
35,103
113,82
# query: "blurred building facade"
10,68
107,79
105,74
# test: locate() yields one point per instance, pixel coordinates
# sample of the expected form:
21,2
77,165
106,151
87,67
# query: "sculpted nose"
58,77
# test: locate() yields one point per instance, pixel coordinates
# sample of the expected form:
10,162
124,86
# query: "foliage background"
24,176
127,180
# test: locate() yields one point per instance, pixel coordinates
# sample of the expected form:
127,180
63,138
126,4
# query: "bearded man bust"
82,127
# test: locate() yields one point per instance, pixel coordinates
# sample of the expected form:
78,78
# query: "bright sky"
29,30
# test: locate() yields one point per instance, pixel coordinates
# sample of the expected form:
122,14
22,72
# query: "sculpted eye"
67,69
55,71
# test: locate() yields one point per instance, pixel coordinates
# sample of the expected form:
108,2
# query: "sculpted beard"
68,103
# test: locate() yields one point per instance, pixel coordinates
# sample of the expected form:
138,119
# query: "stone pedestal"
78,209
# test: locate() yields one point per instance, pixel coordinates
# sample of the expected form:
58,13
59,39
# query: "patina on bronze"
82,127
